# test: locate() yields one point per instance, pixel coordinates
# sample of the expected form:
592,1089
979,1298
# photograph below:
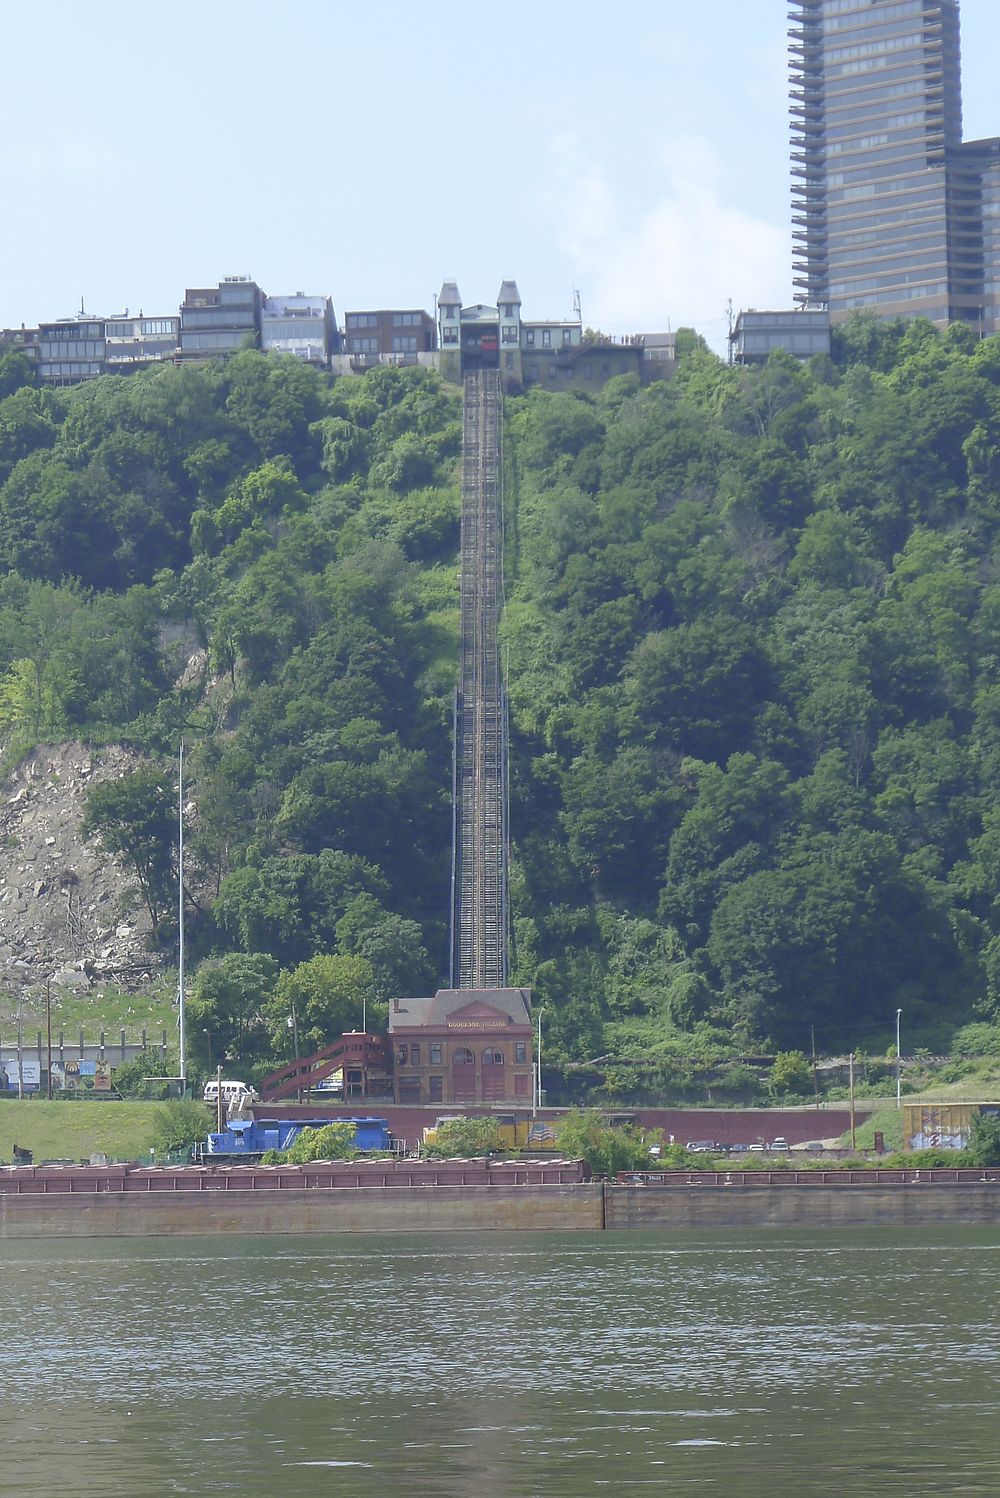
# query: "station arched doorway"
463,1075
493,1075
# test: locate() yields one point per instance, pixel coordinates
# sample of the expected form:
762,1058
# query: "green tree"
131,1078
329,994
15,371
179,1124
136,818
334,1141
226,1007
585,1136
463,1138
695,688
984,1140
790,1074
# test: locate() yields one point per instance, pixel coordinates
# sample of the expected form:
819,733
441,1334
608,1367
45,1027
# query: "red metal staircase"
366,1062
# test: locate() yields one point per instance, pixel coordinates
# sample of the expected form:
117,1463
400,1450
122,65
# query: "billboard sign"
31,1075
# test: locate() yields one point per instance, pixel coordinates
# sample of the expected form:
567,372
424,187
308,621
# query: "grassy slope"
75,1131
105,1009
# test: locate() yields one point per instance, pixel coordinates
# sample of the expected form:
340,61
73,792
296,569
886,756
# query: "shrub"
984,1140
586,1136
333,1142
464,1137
977,1040
179,1124
790,1073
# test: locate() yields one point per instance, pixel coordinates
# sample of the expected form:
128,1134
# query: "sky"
368,149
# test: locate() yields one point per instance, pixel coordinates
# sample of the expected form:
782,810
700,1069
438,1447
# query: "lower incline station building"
463,1046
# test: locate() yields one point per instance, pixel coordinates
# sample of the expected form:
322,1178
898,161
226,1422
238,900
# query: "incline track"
479,856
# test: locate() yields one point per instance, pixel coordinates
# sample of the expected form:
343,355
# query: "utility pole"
48,1038
180,918
854,1136
899,1064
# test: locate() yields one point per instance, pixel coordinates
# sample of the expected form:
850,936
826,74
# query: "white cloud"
679,255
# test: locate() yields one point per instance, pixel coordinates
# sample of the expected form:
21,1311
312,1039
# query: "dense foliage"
607,1150
462,1138
754,673
334,1141
179,1124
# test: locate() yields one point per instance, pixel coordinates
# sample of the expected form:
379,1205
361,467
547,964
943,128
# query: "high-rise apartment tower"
892,211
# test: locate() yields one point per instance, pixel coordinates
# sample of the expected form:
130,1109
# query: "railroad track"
479,861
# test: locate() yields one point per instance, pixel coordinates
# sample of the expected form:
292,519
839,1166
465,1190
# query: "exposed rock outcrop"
69,911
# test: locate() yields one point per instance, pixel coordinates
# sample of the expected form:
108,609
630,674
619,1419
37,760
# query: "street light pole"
293,1025
538,1059
899,1074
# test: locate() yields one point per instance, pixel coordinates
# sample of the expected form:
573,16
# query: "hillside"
68,912
753,669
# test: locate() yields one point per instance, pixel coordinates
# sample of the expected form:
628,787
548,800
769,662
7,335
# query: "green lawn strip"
75,1131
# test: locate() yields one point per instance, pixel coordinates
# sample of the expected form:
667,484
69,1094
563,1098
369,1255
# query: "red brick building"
463,1046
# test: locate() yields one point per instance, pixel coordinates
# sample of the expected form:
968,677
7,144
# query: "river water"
506,1365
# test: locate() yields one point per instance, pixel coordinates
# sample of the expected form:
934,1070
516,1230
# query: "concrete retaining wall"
915,1205
397,1209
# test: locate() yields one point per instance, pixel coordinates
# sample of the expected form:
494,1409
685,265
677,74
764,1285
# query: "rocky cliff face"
69,912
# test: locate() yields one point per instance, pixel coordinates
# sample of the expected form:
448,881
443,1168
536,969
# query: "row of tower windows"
835,20
409,1055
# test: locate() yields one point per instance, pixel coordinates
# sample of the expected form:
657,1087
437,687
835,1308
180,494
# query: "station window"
546,338
401,1055
435,1053
435,1089
520,1052
414,1055
567,335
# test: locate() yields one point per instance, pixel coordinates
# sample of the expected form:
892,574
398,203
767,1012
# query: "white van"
233,1093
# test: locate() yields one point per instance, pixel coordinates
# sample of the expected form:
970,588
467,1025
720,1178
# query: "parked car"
756,1149
702,1146
739,1149
779,1146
